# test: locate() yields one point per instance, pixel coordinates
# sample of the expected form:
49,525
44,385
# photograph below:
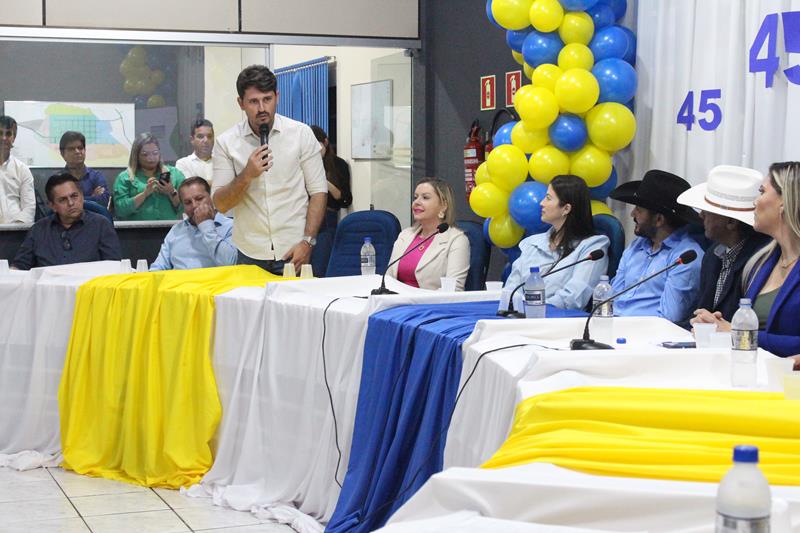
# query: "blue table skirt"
409,380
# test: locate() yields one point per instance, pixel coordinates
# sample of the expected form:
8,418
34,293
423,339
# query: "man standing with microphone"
268,174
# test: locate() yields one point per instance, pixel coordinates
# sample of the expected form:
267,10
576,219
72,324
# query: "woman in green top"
139,194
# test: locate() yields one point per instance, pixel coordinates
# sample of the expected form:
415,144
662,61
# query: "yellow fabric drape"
655,433
138,400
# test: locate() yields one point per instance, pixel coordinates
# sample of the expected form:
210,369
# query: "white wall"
353,66
222,66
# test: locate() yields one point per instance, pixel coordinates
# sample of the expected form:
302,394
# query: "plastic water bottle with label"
367,257
744,345
744,501
603,322
534,295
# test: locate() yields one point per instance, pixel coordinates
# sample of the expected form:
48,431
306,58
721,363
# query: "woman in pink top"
446,255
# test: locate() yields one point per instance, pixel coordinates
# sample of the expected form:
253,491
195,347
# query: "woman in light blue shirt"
567,208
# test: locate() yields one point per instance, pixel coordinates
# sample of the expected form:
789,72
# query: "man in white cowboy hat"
726,206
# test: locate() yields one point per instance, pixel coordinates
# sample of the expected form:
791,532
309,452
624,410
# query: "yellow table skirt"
138,400
655,433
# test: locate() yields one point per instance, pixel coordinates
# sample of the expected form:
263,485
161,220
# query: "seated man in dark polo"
70,234
203,239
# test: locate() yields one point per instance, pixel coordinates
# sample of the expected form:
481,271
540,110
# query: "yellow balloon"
546,75
482,174
577,27
488,200
548,162
129,87
575,55
537,106
512,14
546,15
600,208
156,101
528,70
508,166
611,126
504,232
592,164
157,77
517,57
137,56
577,90
528,140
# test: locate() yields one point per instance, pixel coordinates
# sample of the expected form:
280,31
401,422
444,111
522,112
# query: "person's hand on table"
703,316
299,255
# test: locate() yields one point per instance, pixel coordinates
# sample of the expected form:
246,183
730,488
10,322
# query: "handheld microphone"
441,228
263,132
586,343
594,255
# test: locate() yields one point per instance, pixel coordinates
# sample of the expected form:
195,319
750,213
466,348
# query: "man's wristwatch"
309,240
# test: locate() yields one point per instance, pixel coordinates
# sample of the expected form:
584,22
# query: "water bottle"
534,295
743,497
367,257
603,325
744,345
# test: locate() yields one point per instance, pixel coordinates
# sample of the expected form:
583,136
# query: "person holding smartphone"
147,189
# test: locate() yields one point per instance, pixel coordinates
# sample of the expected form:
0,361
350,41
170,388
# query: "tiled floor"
52,500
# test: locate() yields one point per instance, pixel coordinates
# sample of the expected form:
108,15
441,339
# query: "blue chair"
382,226
479,254
612,228
94,207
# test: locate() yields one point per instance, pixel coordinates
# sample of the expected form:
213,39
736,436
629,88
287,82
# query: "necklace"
784,266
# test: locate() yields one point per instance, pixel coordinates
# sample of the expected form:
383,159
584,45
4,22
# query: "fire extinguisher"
473,156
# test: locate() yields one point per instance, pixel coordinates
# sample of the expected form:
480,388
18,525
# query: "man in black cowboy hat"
662,236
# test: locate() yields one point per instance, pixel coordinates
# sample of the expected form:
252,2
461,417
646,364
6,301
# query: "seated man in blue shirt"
91,182
662,236
203,238
70,234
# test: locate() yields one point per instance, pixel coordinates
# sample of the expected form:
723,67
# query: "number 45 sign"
707,106
768,34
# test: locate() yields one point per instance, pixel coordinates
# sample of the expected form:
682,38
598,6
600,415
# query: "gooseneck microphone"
263,132
586,343
441,228
594,255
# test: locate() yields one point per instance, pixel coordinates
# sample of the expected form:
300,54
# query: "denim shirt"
671,295
571,288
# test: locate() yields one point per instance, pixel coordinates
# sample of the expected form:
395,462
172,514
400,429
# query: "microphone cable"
330,394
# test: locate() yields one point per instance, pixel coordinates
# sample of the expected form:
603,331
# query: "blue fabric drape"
409,380
303,92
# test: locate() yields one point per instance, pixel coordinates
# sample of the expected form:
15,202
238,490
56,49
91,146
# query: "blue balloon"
602,15
515,39
503,134
524,208
618,6
577,5
601,192
490,16
568,132
630,53
140,101
630,105
540,48
609,42
617,80
486,231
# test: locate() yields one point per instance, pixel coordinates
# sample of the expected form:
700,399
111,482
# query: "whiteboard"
371,120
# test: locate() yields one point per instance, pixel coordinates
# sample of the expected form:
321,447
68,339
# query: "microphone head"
264,128
594,255
444,226
687,257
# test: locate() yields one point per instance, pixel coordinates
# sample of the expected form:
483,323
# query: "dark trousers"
270,265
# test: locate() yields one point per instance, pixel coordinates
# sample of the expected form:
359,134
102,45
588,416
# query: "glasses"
65,242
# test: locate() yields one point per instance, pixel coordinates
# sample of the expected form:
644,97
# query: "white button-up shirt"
191,166
271,217
17,199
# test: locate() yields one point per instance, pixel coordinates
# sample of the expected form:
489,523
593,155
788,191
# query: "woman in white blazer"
446,255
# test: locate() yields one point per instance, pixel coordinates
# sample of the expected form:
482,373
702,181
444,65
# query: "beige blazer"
447,256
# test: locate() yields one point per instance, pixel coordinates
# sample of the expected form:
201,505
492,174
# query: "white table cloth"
276,452
34,331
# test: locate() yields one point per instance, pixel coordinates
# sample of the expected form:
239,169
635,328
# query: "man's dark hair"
8,123
674,221
257,76
195,179
58,179
200,123
69,137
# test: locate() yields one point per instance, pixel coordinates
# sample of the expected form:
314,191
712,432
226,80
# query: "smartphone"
164,178
684,344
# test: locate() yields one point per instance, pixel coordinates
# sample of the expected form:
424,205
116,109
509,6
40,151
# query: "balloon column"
574,111
140,80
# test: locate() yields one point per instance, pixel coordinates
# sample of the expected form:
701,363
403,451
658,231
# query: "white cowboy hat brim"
696,198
